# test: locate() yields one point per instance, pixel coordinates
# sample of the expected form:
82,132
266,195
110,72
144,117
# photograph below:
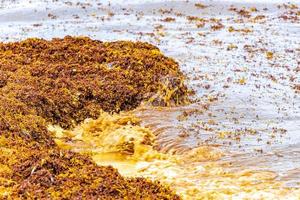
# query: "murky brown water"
195,173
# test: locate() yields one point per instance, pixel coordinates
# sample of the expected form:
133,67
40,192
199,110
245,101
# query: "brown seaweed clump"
65,81
71,79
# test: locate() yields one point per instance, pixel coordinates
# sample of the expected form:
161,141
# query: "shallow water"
122,141
245,104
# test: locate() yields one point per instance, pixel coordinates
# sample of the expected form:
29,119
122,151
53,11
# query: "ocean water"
243,70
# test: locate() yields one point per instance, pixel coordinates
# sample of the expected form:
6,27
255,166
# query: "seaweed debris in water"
120,140
63,82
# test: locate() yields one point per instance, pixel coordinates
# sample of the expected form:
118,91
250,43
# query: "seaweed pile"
63,82
71,79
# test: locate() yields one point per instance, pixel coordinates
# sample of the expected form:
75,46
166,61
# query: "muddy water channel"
241,135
